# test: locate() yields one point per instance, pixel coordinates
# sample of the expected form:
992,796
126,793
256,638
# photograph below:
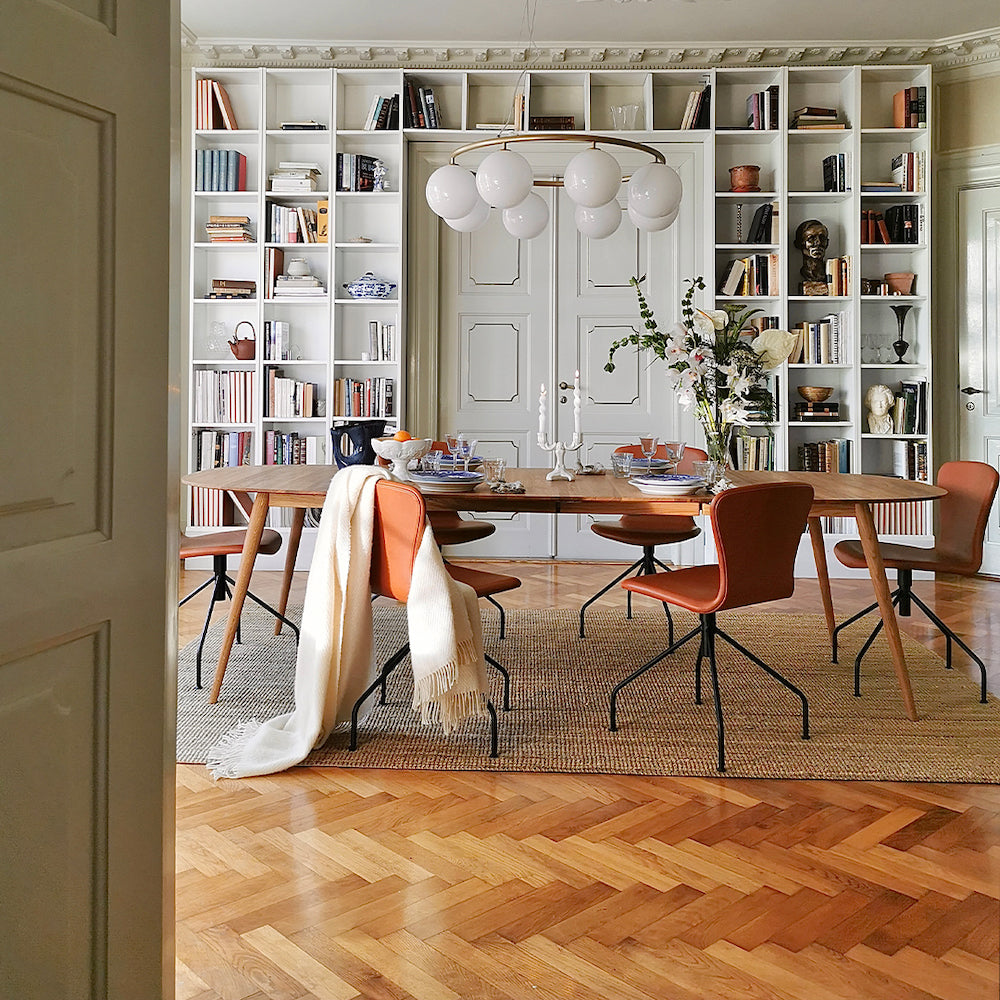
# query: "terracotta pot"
745,177
900,282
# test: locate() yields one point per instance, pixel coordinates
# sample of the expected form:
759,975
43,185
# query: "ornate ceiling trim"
963,50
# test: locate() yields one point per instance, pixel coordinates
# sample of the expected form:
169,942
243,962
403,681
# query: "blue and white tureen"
369,287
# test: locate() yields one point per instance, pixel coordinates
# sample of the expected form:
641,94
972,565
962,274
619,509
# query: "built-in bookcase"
747,118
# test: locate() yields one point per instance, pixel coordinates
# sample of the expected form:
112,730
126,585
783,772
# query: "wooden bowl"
815,393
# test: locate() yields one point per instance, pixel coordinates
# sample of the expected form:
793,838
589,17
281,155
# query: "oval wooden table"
835,495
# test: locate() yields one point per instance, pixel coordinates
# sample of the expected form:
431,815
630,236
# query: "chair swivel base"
707,629
902,597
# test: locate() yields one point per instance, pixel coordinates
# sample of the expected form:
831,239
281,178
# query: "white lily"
773,346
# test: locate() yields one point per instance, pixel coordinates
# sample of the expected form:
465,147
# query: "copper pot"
900,282
745,177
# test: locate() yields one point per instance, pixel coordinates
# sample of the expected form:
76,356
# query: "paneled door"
513,315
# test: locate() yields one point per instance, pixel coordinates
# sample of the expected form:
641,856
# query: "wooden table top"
306,485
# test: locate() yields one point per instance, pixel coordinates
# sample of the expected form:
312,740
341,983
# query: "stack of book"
356,172
232,288
420,107
310,125
293,224
383,114
297,284
909,108
880,187
825,456
551,123
697,112
762,108
220,170
837,172
213,108
293,177
810,413
229,229
817,118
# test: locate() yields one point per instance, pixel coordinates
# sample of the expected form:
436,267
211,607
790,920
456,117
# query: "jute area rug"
559,708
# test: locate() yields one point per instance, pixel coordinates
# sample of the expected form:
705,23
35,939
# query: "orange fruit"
402,436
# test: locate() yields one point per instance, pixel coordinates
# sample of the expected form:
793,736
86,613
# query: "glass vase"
717,447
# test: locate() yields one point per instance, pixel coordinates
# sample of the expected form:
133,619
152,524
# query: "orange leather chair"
220,545
400,519
757,531
958,549
647,531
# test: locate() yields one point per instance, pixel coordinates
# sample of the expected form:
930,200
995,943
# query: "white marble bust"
879,399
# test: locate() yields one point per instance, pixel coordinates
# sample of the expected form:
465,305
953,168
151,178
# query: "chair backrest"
963,513
400,516
686,464
757,533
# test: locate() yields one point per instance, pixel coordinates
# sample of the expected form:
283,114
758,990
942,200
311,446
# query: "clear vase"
717,447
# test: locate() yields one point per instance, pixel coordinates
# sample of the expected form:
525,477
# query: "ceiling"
587,22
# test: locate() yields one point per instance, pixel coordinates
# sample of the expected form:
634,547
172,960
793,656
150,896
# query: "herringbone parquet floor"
390,884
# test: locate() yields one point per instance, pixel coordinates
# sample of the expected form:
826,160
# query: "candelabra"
559,448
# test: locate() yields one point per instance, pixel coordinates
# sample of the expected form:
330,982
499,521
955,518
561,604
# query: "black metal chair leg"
864,649
197,590
503,615
710,630
387,668
950,634
844,624
277,614
506,679
201,643
663,565
640,671
494,734
702,653
603,591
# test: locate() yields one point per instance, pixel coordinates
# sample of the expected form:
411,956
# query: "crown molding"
960,50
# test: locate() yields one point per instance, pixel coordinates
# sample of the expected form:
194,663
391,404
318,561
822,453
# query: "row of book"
211,508
839,275
756,324
295,177
229,229
909,460
900,224
817,118
823,342
222,449
420,109
293,224
764,224
698,110
363,397
909,108
213,109
383,114
825,456
749,276
277,340
762,108
381,341
837,172
220,170
755,451
289,398
900,518
223,396
909,412
909,171
356,171
291,448
232,288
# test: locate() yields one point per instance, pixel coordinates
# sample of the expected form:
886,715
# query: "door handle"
565,385
970,391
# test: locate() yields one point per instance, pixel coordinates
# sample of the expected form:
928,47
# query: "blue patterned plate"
650,463
669,479
447,476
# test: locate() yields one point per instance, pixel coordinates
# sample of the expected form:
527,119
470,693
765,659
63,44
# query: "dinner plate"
447,461
447,481
650,463
667,491
669,479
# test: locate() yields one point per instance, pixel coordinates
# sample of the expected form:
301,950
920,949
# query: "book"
372,113
760,225
732,277
880,187
703,116
688,109
199,169
304,126
322,221
551,123
815,112
226,108
432,110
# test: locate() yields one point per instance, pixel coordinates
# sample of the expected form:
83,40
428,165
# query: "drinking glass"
648,445
674,453
621,464
493,470
431,462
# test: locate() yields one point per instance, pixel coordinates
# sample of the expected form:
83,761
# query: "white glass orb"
504,179
451,191
527,220
649,225
592,178
655,190
476,219
600,222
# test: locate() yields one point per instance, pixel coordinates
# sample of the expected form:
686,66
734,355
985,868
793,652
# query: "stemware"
452,441
674,453
648,445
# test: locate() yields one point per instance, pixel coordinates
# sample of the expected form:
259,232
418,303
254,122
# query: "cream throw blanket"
335,657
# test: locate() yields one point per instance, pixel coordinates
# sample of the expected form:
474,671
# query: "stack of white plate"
672,485
449,461
650,464
447,481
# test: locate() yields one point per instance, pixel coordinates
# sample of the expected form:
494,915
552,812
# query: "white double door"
514,315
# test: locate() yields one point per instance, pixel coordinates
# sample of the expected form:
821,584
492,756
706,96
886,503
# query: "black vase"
359,437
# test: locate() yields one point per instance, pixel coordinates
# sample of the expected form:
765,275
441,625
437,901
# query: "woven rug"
559,712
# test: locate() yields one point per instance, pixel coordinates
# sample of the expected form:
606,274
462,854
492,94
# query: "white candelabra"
559,470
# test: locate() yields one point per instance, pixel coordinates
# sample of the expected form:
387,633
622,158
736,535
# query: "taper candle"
541,409
576,403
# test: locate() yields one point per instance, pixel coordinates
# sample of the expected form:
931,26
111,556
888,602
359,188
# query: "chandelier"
592,180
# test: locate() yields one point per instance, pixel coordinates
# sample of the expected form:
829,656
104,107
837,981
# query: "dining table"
301,487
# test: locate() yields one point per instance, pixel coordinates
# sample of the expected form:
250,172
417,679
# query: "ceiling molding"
962,50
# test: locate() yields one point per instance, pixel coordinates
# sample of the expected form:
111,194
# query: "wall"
968,109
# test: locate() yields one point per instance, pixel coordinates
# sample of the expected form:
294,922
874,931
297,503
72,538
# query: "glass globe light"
527,220
451,191
592,178
476,219
655,190
598,223
504,179
648,225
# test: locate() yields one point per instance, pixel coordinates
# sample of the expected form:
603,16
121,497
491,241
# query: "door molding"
956,172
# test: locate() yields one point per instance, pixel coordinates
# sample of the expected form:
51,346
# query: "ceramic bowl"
400,453
815,393
369,287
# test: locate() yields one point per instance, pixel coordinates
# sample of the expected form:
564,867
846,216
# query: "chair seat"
451,529
227,543
483,582
648,529
898,556
695,588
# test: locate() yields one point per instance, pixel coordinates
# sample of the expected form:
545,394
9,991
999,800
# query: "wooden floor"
338,884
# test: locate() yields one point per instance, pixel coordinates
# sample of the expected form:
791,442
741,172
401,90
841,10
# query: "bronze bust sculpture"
813,238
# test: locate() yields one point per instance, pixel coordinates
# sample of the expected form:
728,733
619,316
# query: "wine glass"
648,445
451,440
467,450
674,453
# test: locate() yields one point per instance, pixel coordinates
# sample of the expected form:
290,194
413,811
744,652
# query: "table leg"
876,569
251,543
298,519
822,573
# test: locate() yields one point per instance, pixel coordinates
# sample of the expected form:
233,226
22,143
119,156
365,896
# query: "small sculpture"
879,399
813,238
379,173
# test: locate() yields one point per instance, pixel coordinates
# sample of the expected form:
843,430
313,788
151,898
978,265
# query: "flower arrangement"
711,364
